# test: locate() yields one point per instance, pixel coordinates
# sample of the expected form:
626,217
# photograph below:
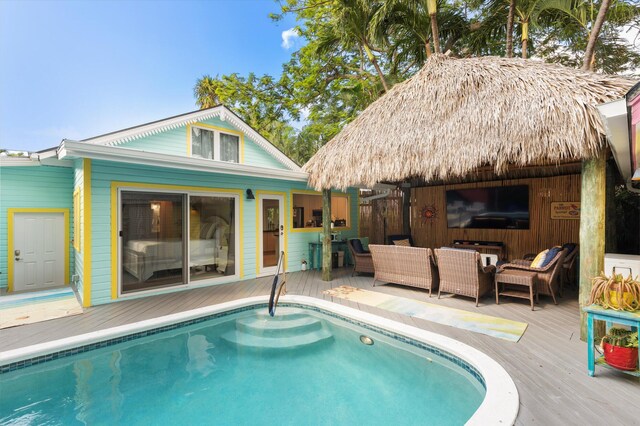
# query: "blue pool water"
300,368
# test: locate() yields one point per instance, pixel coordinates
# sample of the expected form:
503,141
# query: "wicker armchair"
411,266
362,262
548,280
461,272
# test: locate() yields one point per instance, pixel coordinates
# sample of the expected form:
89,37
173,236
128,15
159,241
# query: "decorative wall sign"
565,210
428,213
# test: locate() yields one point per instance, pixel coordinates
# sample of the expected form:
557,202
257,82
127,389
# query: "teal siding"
174,142
104,173
33,187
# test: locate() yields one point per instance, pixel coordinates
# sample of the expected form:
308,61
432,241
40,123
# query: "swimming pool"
231,364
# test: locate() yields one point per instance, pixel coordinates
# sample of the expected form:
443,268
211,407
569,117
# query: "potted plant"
620,347
616,292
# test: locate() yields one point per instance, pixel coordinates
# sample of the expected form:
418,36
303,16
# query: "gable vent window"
214,145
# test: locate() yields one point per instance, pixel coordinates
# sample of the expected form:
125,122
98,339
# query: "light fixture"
250,195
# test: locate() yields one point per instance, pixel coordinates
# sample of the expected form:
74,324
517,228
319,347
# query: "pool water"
301,367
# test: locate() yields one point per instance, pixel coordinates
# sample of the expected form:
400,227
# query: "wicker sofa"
410,266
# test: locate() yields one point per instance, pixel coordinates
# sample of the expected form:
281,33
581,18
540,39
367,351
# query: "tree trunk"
525,38
427,49
592,225
326,235
434,33
374,61
589,53
512,11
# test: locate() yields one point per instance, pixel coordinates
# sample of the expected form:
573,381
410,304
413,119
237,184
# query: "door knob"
18,258
17,252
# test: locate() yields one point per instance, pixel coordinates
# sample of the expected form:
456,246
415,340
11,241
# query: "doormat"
478,323
28,308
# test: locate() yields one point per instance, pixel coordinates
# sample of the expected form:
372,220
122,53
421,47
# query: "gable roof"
219,111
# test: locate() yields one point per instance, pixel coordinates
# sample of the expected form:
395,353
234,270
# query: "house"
192,200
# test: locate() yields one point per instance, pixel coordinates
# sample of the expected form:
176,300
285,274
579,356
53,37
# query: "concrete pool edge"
500,405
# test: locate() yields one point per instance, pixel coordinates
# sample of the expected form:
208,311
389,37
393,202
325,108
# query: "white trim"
500,404
614,117
72,149
264,271
222,112
34,160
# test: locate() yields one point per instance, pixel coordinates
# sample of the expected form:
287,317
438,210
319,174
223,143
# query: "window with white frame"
214,145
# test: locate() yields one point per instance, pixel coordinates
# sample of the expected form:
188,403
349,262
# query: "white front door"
38,257
271,232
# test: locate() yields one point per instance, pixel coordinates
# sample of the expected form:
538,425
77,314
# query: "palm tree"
589,54
510,16
432,7
349,27
205,92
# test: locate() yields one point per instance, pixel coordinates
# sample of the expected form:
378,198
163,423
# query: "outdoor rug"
478,323
27,308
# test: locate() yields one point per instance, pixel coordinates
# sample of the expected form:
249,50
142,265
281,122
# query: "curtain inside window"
201,143
229,145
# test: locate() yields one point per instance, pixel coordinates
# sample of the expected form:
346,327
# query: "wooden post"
592,224
611,241
326,235
406,204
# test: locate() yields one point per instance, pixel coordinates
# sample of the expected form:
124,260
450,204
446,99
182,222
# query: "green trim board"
478,323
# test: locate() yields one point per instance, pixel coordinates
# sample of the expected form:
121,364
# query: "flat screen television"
500,207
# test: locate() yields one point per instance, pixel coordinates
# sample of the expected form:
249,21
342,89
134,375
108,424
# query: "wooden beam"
592,227
326,235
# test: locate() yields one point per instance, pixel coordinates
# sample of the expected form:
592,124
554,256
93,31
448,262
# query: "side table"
520,278
610,316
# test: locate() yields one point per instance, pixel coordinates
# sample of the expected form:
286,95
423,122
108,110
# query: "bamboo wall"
543,231
380,218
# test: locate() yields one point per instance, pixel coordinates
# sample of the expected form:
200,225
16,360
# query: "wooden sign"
565,210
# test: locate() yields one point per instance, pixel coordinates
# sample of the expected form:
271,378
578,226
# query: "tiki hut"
473,120
457,115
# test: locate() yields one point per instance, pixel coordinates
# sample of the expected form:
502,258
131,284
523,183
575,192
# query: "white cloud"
289,37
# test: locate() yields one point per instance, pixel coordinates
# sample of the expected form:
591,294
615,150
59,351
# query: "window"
202,142
229,147
307,210
214,145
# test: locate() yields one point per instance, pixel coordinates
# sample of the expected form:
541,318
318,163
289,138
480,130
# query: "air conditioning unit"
625,264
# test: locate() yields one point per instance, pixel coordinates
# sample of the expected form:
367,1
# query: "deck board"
548,365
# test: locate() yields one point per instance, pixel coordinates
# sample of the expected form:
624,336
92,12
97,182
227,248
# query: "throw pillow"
537,262
550,255
365,243
357,246
404,243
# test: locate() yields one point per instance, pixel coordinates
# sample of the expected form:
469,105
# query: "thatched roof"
456,115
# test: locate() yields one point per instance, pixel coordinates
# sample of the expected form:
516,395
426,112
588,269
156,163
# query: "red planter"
621,358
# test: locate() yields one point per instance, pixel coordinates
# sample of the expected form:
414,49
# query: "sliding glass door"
175,238
212,237
152,244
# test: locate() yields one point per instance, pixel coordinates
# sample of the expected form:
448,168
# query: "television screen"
501,207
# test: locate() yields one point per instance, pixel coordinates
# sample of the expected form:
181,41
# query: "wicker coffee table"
517,278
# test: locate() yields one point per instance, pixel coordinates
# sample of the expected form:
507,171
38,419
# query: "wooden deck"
548,365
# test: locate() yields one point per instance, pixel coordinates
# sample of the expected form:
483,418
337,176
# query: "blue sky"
76,69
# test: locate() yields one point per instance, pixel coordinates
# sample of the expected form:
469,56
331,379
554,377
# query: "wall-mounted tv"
500,207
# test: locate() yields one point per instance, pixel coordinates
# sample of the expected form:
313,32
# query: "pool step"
291,328
281,328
